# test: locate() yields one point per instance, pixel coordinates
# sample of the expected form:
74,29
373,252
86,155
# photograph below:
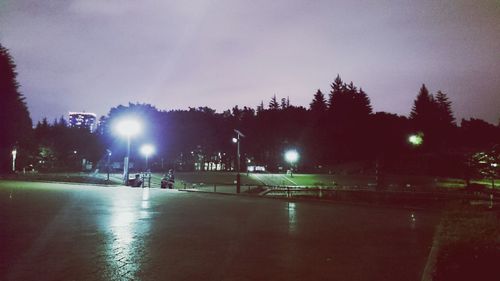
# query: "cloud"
96,54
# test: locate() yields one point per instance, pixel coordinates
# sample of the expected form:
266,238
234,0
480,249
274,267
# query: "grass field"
189,179
316,180
62,177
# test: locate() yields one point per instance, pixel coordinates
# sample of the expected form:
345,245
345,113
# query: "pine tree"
260,107
347,103
273,104
445,114
433,116
363,103
348,117
423,111
283,103
338,88
16,122
318,103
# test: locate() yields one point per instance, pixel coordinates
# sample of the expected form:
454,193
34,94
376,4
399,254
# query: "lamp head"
128,127
291,156
147,150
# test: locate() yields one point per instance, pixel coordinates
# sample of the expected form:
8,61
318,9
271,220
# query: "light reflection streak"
292,218
127,229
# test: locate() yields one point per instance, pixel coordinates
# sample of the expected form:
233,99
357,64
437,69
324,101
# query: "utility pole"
238,176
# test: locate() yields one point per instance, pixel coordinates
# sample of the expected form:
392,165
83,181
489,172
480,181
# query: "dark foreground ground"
52,231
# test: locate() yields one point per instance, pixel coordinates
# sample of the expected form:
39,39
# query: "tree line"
336,128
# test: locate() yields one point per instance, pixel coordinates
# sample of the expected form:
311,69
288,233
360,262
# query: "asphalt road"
54,231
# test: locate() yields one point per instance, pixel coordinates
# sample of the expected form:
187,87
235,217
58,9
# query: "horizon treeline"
337,127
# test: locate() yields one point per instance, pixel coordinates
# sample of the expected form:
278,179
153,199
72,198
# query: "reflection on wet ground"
70,232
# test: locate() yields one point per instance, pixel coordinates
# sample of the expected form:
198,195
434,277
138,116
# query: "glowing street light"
416,139
14,154
127,128
292,156
147,150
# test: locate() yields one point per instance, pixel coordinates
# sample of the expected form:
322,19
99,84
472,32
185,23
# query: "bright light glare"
147,149
235,140
128,127
415,139
291,156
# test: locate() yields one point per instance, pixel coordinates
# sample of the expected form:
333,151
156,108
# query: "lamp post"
147,150
127,128
238,176
107,166
14,154
291,156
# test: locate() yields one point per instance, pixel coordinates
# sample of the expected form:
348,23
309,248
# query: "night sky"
92,55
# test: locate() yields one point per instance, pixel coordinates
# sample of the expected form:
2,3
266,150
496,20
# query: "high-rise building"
83,120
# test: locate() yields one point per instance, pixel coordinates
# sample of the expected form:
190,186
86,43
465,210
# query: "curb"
430,265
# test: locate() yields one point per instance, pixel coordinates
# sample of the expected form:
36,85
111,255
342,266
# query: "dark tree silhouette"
478,134
273,104
318,104
260,107
16,125
445,114
63,148
423,110
433,116
338,87
285,103
349,112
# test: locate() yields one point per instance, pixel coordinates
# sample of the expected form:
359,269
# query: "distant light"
494,165
14,152
416,139
235,140
252,168
291,156
147,150
128,127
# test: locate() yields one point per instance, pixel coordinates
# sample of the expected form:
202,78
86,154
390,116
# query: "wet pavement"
52,231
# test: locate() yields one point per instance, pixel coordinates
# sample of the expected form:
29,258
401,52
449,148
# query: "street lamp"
107,166
147,150
14,154
291,156
127,128
416,139
237,141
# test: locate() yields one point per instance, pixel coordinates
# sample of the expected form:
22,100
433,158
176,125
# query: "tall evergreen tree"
318,103
338,88
349,111
16,125
283,103
434,117
363,103
445,114
273,104
260,107
423,112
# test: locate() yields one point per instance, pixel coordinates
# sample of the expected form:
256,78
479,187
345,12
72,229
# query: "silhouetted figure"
168,180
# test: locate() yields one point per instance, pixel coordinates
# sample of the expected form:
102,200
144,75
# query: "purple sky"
92,55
